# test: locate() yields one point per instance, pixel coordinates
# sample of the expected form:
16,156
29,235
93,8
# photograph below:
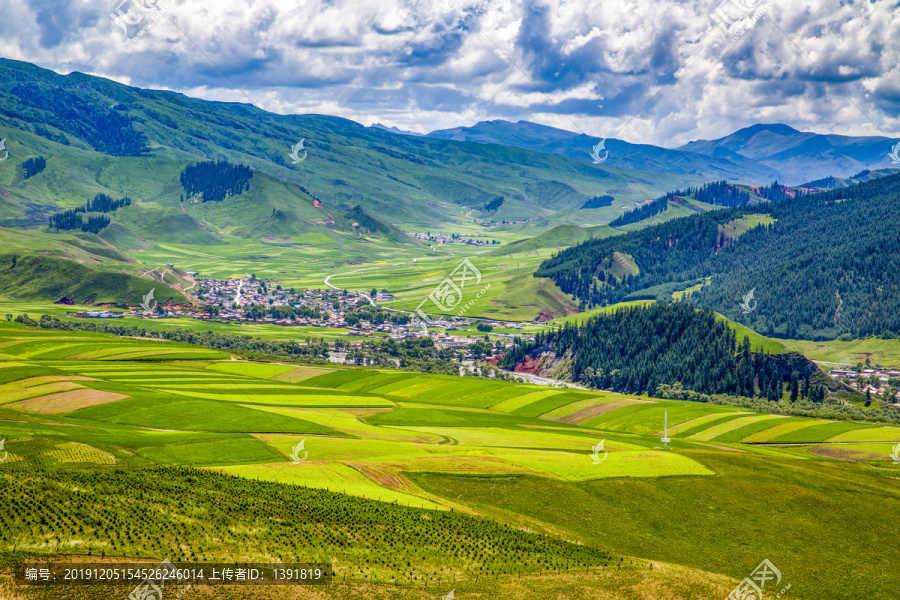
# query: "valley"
498,360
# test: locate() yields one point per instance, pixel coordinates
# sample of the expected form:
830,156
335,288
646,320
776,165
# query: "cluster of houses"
442,238
496,223
875,381
241,291
231,300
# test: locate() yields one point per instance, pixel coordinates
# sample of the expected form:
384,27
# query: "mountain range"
419,182
543,175
73,139
758,154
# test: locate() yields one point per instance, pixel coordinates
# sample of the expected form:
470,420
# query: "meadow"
479,481
410,272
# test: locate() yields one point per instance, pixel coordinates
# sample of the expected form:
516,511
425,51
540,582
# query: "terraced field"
400,438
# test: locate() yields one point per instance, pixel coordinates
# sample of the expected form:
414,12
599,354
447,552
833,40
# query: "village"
453,238
251,300
868,380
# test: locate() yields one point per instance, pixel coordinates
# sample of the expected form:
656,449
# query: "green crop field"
872,434
409,447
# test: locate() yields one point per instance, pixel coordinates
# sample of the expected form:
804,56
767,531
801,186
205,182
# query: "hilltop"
759,154
80,123
820,266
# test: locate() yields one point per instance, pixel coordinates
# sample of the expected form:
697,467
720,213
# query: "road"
546,381
237,297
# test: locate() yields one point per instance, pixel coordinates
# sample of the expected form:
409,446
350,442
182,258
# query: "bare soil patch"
64,402
579,416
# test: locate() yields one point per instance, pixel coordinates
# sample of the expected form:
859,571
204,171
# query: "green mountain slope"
52,279
636,349
819,266
130,141
560,236
357,219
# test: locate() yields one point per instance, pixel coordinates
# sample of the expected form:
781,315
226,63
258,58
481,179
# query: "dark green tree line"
637,349
33,166
824,267
215,181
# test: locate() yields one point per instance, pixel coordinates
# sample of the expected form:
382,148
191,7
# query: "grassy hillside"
748,511
357,219
561,236
49,278
402,179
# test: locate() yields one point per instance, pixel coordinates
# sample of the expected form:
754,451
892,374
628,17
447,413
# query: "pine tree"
795,386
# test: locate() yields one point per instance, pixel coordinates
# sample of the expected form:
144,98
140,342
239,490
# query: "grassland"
756,506
425,449
273,230
878,351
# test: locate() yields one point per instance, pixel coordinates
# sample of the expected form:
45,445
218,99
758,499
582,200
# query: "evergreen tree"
33,166
858,290
638,349
215,181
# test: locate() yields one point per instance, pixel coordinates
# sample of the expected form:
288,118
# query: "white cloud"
820,65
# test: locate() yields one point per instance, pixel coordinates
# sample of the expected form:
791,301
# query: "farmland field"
413,446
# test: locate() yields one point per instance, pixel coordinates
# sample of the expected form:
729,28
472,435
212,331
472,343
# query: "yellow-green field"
531,457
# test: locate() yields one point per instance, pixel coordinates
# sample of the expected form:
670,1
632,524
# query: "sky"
662,72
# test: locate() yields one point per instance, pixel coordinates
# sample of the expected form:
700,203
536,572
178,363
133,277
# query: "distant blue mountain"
395,130
759,154
641,157
800,156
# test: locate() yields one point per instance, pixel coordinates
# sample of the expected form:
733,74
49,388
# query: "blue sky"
661,72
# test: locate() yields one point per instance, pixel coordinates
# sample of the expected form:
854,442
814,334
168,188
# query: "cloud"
658,72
